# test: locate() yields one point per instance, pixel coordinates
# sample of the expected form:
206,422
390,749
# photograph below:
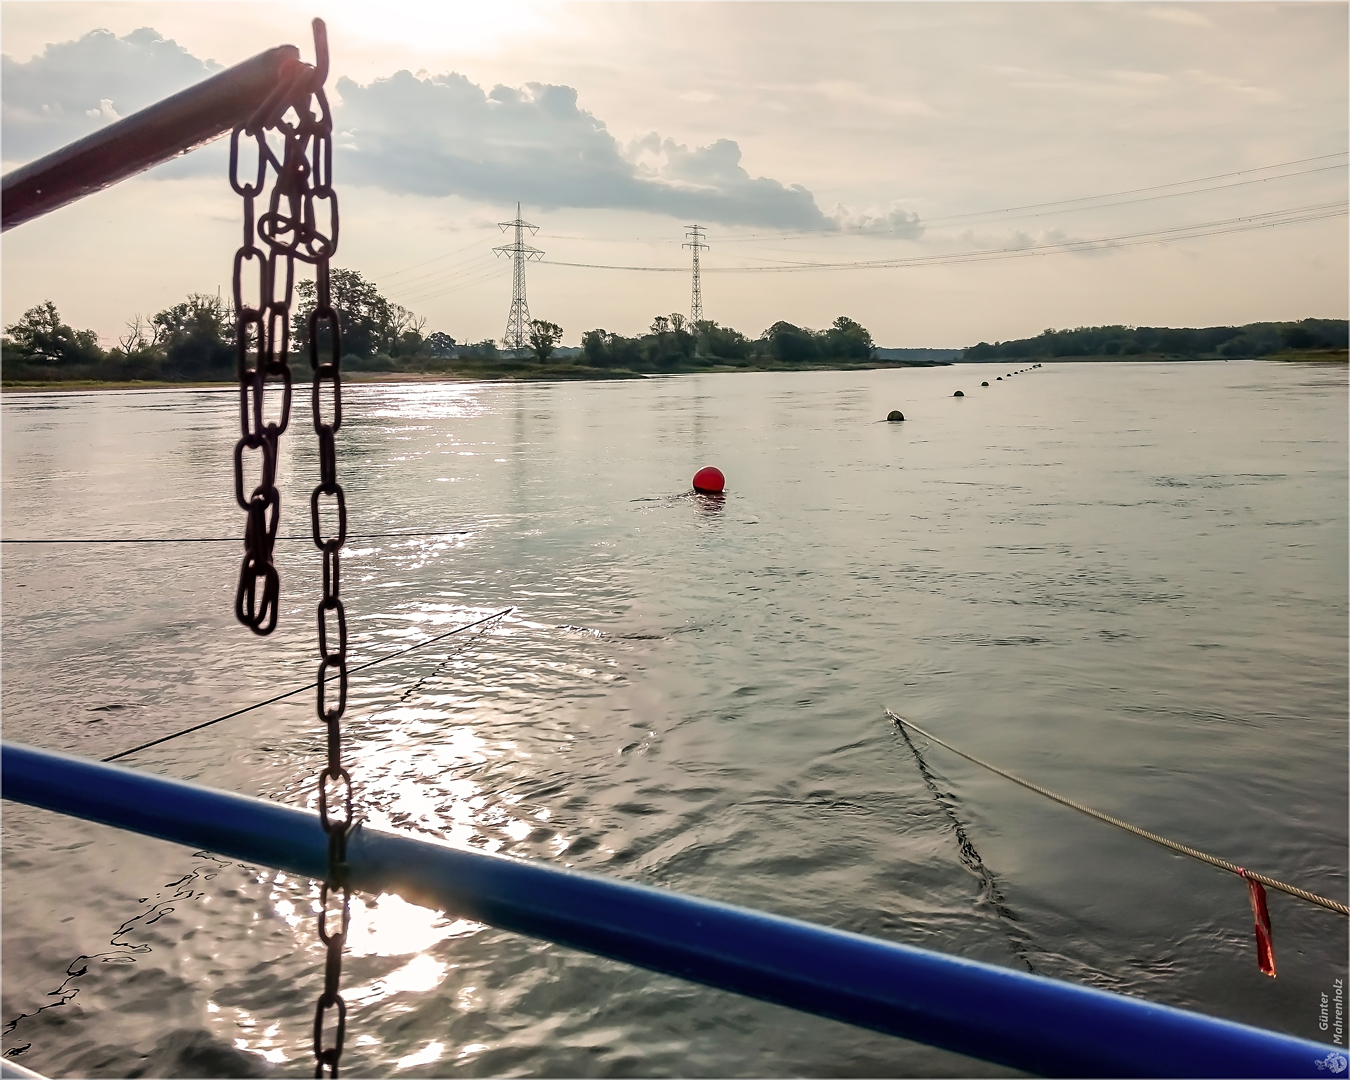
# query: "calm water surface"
1126,582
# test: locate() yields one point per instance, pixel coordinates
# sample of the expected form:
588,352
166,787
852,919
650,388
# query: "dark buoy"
959,393
710,481
984,384
999,379
895,414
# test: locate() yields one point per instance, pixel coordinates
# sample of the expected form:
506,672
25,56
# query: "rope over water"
307,686
215,539
1182,849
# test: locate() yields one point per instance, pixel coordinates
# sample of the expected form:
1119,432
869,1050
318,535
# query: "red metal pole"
156,133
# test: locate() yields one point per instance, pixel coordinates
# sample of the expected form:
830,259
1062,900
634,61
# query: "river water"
1125,582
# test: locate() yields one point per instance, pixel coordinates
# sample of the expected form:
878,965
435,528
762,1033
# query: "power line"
1068,205
470,273
1291,216
518,321
443,273
438,258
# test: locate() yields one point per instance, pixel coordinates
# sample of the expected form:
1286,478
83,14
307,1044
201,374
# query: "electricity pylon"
696,299
518,322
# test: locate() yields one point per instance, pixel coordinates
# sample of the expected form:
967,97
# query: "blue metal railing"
1025,1021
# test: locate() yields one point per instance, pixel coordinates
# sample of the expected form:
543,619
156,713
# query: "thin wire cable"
1172,845
437,258
1069,205
217,539
1269,219
309,686
445,273
460,279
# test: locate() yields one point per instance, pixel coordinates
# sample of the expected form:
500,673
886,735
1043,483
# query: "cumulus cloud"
75,87
418,134
1021,240
894,221
445,135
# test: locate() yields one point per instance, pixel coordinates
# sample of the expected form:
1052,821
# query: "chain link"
296,114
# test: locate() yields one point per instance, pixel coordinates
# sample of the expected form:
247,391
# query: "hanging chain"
297,114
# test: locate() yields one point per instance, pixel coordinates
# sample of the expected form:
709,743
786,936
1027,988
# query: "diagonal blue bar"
1036,1024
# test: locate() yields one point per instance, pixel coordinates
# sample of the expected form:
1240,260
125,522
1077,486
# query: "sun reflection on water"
431,1052
390,926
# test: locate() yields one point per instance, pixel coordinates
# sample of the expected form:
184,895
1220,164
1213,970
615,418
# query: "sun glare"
462,29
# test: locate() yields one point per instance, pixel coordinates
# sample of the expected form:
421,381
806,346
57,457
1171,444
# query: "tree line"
1248,342
672,343
194,340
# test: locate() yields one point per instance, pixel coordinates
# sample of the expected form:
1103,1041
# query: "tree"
40,337
595,348
846,340
440,344
197,336
366,317
141,336
403,336
722,342
544,338
790,344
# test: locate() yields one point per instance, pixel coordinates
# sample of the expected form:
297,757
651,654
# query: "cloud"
414,134
75,87
1183,16
894,221
446,136
1021,240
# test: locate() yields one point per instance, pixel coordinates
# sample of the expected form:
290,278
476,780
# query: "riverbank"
511,371
527,371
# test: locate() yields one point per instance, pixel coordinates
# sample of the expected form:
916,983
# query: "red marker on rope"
1265,948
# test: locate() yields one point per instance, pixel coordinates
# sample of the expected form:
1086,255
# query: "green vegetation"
673,344
1309,339
544,338
193,341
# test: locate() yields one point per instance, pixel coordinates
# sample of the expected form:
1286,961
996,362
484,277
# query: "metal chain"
289,230
298,113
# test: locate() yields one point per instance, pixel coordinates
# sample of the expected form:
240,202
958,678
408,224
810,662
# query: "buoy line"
1172,845
308,686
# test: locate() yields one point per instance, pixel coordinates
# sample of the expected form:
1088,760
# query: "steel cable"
219,539
308,686
1172,845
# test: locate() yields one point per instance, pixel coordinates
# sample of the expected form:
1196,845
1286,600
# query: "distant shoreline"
564,374
538,373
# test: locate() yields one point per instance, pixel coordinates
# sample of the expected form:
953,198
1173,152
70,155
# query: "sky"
944,173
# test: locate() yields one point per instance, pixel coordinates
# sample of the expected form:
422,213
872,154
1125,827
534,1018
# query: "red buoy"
710,481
